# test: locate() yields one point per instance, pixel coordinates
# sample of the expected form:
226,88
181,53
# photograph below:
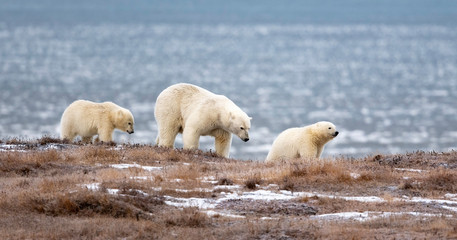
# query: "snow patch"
227,187
451,196
201,203
368,215
11,148
134,165
450,208
211,213
354,175
145,178
428,201
409,170
194,190
96,187
92,186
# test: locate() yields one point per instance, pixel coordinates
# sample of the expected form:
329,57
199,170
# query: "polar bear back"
86,119
194,112
179,101
287,145
82,118
175,101
304,142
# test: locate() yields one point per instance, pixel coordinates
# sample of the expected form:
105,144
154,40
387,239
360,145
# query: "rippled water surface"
388,87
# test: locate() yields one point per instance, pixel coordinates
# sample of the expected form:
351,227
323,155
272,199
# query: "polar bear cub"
304,142
194,112
87,119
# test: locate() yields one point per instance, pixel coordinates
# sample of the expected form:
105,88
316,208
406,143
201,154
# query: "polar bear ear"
119,114
232,116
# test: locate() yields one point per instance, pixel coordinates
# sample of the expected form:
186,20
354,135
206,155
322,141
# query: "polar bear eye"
130,123
330,128
242,128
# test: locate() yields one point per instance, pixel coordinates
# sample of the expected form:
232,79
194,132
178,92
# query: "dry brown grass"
253,181
44,194
440,180
188,217
186,173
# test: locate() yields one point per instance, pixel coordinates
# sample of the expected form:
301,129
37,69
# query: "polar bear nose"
336,133
246,139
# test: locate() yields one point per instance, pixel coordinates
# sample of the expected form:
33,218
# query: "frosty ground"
54,189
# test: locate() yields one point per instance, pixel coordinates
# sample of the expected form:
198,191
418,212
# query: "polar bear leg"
271,156
67,136
167,136
223,142
66,132
319,151
106,135
308,152
190,138
191,133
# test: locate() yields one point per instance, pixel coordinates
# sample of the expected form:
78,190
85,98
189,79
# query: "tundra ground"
51,189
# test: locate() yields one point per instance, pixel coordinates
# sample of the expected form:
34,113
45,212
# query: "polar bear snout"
130,131
335,134
244,135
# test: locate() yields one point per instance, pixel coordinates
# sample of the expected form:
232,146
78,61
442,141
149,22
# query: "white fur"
87,119
304,142
194,112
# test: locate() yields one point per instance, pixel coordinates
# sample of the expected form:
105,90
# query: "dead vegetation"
52,189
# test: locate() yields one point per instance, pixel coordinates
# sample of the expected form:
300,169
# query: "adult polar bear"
304,142
87,119
194,112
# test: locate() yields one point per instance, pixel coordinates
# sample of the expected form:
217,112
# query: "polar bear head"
124,121
325,130
240,124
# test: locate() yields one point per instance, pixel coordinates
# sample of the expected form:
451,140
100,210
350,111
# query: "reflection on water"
388,88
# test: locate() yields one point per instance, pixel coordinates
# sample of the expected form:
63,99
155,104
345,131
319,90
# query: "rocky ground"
56,190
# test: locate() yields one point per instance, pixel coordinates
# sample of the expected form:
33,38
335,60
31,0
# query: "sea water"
384,73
